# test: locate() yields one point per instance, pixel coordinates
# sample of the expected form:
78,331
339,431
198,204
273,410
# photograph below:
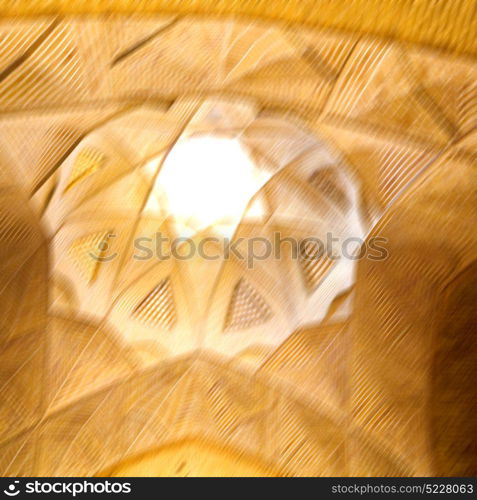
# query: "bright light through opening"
208,181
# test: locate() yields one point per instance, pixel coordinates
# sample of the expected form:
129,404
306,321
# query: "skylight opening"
208,182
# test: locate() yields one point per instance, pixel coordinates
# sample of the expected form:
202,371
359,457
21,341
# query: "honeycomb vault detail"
157,309
117,357
247,308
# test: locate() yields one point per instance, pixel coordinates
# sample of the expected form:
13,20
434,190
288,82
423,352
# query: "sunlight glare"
209,181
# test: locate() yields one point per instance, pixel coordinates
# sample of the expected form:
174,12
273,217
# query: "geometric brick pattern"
157,309
247,308
86,163
314,264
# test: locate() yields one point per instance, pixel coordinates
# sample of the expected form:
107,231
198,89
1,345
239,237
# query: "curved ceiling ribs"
169,351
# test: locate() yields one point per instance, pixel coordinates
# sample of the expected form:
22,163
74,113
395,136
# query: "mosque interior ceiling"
170,300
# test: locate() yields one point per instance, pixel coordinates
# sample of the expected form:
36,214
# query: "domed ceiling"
227,173
148,165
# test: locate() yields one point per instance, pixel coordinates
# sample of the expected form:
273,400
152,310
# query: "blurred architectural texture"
353,118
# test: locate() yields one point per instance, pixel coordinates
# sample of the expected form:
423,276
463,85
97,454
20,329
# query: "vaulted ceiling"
329,368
